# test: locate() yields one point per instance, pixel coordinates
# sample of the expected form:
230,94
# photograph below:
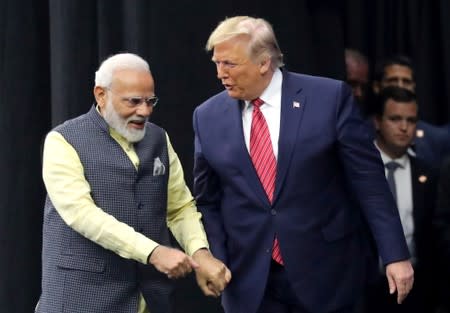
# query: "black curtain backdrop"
50,49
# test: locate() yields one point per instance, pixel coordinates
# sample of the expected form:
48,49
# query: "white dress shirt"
271,109
403,186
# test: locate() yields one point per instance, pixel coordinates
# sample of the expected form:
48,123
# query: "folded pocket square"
158,167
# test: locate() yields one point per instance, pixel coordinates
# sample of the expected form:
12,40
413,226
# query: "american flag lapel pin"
296,104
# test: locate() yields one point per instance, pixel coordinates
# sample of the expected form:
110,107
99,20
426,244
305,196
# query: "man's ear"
265,65
100,96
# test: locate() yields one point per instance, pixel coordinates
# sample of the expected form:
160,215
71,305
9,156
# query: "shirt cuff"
144,246
195,245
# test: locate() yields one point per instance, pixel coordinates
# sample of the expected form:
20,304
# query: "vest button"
140,206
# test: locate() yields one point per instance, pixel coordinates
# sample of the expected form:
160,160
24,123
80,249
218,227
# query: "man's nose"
221,72
144,109
403,124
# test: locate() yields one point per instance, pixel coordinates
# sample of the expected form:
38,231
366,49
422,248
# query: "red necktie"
263,158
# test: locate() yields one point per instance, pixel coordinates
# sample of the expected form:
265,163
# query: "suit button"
140,206
273,212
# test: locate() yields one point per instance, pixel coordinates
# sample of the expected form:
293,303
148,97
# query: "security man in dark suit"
413,186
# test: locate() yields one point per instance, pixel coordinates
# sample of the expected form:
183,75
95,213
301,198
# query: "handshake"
212,275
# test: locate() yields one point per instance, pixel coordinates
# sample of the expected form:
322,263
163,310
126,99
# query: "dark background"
50,49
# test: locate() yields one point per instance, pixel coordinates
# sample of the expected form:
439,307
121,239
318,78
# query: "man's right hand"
212,275
400,277
172,262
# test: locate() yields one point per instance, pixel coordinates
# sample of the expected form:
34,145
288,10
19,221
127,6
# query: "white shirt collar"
403,160
272,91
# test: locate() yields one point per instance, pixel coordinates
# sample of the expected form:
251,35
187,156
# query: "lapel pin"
296,104
422,179
420,133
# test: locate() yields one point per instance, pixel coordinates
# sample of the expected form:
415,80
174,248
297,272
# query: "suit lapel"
293,104
415,184
418,188
233,109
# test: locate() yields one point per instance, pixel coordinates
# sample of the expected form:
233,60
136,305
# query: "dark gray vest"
80,276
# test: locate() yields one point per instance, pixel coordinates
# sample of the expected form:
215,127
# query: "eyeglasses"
136,101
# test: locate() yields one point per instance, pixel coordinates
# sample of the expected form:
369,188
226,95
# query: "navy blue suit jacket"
329,176
424,191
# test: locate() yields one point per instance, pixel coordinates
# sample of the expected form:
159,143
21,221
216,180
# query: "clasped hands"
211,274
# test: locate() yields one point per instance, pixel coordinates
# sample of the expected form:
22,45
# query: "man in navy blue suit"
414,187
286,177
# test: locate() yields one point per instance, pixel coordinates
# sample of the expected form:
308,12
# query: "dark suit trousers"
279,297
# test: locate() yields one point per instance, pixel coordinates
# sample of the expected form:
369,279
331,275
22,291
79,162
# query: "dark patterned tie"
263,158
391,167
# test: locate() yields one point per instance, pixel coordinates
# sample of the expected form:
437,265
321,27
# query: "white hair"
121,61
261,34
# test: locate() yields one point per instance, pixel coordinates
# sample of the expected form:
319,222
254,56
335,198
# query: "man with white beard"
115,186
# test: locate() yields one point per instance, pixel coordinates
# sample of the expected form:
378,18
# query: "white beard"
121,125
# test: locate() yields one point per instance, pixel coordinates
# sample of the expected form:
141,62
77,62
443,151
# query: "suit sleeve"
208,194
366,179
